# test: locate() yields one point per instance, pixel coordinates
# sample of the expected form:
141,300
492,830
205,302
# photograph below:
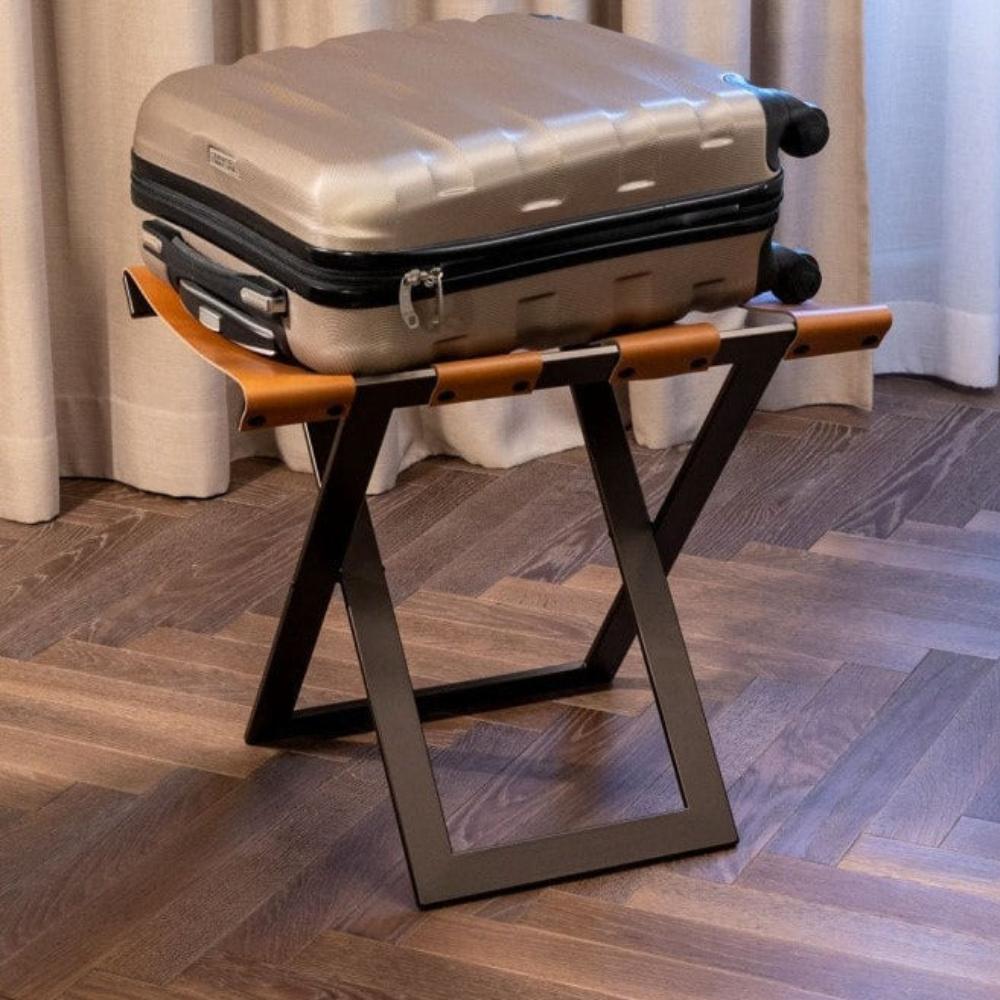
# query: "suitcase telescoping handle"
793,275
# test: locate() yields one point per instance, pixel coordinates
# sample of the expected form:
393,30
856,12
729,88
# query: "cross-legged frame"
341,547
346,419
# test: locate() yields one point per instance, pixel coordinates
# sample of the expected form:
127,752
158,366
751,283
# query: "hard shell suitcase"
394,198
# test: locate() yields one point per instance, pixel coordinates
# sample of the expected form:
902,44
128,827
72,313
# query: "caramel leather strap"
486,378
273,393
669,350
832,330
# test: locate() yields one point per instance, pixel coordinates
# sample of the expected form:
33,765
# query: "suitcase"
382,201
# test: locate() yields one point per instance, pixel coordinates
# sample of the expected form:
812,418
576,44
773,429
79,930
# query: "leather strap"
831,330
666,351
274,393
486,378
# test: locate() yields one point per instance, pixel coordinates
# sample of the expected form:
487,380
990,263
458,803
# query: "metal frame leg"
341,547
347,456
728,417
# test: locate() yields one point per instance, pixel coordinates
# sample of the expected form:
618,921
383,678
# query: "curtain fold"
934,146
89,393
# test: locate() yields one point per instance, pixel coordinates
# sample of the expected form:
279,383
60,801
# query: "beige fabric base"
88,392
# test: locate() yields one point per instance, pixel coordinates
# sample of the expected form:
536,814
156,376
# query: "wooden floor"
842,602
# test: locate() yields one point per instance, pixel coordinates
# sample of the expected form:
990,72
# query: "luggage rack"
345,420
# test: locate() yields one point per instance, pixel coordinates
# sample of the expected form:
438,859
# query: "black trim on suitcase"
367,279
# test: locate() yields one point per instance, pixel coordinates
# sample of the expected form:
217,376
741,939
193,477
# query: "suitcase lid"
454,130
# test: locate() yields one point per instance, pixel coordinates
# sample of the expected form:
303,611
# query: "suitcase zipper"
431,278
371,279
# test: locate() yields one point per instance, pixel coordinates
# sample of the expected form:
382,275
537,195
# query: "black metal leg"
347,463
341,547
648,596
748,377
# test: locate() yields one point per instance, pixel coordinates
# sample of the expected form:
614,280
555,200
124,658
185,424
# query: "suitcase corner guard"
274,393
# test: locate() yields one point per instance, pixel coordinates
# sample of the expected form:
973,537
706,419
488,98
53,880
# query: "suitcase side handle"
182,261
794,126
245,308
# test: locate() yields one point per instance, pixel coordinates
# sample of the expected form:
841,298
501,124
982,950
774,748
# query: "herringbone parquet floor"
842,602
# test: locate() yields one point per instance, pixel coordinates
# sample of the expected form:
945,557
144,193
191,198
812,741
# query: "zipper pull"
431,278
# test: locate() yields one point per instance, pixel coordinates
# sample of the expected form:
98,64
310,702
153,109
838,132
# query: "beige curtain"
87,393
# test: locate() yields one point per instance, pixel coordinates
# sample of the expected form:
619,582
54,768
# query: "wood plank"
38,607
889,552
773,786
601,965
909,591
583,533
926,398
103,986
130,718
193,584
159,852
361,884
36,837
52,936
420,976
967,484
587,768
929,800
798,925
877,895
984,521
26,791
75,492
529,533
937,866
758,494
840,806
950,539
974,836
800,598
744,728
30,547
737,614
248,655
741,732
986,804
706,652
899,472
170,940
486,511
170,673
749,952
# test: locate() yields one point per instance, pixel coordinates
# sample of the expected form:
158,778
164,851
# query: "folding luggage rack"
346,420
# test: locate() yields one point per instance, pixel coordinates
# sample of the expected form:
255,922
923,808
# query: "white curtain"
933,81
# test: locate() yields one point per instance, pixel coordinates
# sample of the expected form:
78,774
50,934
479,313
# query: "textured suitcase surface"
387,199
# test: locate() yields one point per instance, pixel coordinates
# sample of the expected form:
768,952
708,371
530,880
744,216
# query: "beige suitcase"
394,198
